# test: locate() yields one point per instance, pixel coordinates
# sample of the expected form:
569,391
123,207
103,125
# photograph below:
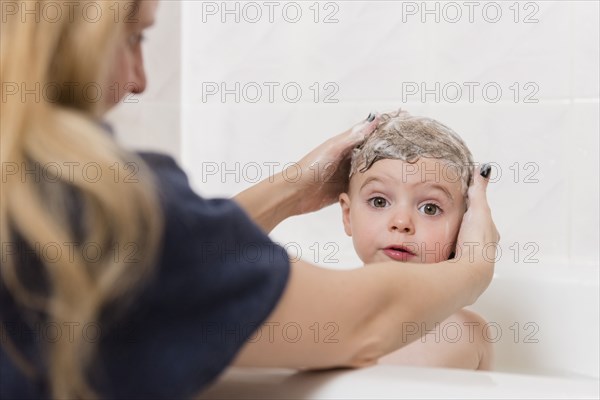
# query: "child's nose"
401,221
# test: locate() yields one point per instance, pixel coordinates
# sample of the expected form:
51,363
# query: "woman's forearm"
351,318
420,297
270,201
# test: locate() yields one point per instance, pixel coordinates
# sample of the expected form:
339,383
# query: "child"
405,202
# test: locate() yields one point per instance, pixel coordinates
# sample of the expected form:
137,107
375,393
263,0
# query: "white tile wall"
582,149
152,121
368,59
584,47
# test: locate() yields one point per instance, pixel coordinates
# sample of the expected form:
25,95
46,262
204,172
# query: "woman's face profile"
128,74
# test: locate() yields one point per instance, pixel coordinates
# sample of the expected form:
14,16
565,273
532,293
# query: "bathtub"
543,321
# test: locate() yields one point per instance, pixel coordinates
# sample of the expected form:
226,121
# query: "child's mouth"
399,253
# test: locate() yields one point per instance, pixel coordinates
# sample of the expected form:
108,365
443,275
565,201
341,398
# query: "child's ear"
345,204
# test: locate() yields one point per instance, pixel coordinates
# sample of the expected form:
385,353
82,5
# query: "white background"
369,54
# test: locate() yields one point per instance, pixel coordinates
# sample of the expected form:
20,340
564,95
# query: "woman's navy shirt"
218,278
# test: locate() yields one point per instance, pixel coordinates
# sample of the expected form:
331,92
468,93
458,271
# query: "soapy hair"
401,136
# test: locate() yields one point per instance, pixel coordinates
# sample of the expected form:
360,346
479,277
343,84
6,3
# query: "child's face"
418,206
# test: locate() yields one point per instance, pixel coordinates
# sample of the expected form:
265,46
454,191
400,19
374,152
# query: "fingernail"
485,170
371,117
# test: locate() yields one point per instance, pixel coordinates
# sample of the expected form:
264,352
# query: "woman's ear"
345,204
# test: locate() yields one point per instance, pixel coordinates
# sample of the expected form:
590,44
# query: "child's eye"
378,202
430,209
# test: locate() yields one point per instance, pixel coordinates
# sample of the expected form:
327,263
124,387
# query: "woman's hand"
478,237
323,175
324,171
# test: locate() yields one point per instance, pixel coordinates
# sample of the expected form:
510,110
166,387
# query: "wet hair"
401,136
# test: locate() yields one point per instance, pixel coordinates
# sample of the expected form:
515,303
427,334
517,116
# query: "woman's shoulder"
217,272
181,203
164,166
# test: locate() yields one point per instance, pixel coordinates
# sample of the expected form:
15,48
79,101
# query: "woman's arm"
332,318
323,176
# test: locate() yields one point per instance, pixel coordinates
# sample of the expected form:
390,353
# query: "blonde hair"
401,136
51,136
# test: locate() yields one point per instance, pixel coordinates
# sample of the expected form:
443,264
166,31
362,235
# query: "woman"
172,295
